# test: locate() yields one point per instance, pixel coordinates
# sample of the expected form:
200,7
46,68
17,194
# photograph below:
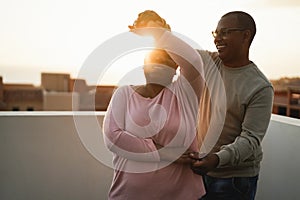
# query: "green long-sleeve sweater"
247,96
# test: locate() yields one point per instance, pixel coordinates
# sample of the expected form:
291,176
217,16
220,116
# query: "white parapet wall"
44,155
279,176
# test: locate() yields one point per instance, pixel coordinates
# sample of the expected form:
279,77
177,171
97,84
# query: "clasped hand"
177,155
199,165
203,165
155,32
151,28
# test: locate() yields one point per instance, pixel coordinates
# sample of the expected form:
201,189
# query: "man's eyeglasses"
223,33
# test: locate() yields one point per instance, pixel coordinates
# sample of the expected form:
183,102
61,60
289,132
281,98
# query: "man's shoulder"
259,76
209,57
208,54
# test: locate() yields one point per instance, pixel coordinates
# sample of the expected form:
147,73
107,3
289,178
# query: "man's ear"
247,35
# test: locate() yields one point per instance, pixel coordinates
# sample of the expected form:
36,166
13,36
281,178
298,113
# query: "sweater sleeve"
120,141
189,60
254,127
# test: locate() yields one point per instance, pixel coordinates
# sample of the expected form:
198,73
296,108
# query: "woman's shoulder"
126,89
123,88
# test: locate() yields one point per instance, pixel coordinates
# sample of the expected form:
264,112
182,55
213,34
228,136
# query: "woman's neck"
149,90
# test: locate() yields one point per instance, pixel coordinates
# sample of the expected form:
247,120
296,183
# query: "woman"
145,123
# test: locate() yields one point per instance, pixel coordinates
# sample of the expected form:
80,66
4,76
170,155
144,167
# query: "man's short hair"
244,21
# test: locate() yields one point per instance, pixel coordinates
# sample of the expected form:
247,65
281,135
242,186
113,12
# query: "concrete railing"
43,157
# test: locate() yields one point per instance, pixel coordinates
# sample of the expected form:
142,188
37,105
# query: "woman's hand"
149,24
155,32
171,154
149,18
185,159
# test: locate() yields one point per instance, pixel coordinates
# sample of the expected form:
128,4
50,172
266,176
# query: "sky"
59,35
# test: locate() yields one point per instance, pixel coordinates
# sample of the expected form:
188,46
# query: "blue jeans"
237,188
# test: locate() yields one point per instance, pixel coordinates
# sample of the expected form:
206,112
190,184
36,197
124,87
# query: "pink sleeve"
120,141
189,60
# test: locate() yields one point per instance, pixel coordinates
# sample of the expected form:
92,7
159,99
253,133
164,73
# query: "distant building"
58,82
97,98
22,97
58,95
287,102
287,97
103,96
92,98
79,85
64,93
1,94
58,92
61,101
1,89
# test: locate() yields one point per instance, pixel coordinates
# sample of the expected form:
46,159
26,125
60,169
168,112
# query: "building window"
281,110
30,109
15,108
294,113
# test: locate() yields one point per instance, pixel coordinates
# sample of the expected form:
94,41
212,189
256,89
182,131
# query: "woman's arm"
189,60
118,139
130,146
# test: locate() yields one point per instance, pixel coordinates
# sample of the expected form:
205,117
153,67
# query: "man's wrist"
224,157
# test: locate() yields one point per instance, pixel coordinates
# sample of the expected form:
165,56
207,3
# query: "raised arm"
189,60
182,53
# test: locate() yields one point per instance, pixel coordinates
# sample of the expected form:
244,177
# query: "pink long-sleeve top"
133,123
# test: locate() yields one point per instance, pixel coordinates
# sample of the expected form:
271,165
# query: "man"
231,168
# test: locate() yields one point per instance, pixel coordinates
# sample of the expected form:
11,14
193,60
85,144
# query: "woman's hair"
146,16
160,56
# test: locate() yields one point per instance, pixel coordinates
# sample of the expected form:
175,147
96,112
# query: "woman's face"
159,68
160,58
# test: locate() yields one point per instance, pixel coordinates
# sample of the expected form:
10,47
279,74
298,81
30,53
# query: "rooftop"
55,155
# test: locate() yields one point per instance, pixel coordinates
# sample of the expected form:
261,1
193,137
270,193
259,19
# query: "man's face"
229,40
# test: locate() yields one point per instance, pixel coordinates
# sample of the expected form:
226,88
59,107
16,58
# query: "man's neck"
237,63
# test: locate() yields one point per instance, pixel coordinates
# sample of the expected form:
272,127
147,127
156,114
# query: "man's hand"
155,32
204,165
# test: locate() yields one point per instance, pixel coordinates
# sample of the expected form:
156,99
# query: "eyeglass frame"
225,31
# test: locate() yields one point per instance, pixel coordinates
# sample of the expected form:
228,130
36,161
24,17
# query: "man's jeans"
237,188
